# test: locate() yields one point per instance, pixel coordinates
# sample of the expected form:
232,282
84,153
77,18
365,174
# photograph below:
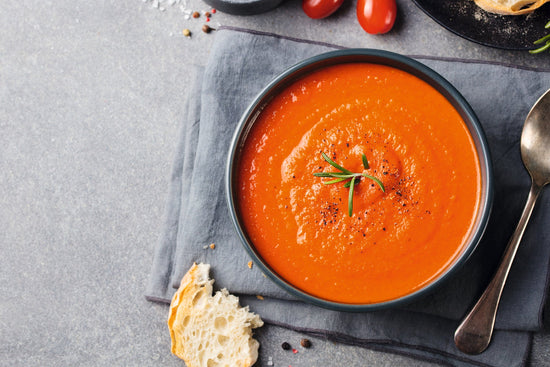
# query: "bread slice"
211,331
510,7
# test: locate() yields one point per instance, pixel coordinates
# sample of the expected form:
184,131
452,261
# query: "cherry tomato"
318,9
376,16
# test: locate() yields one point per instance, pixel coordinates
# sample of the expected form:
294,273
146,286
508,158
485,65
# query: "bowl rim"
403,63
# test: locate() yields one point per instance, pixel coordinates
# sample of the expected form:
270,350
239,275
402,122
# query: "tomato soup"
396,241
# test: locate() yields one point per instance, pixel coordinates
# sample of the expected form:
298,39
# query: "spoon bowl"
535,141
474,334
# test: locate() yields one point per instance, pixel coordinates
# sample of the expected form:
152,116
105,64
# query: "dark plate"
466,19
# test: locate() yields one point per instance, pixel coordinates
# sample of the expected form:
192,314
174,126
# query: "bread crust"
210,330
188,285
510,7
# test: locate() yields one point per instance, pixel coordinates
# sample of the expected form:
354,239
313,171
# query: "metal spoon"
474,333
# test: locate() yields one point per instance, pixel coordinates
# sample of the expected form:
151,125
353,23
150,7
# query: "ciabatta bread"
211,331
510,7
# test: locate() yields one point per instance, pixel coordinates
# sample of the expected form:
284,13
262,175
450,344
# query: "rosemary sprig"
347,175
540,41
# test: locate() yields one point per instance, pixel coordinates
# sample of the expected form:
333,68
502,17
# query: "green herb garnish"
540,41
347,175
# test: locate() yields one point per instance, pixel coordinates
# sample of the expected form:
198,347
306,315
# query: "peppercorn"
305,343
207,14
285,346
186,32
196,14
206,29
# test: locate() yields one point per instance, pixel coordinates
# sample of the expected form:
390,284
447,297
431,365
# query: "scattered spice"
250,263
294,351
212,246
285,346
163,5
305,343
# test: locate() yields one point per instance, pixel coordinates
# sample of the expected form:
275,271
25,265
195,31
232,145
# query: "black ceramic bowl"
374,57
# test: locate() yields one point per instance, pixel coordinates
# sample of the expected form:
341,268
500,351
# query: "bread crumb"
250,264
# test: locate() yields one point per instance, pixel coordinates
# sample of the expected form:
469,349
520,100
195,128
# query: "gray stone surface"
91,94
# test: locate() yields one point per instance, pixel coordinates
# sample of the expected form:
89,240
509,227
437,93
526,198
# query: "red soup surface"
396,241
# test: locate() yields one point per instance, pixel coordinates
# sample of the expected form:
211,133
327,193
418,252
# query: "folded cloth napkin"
241,63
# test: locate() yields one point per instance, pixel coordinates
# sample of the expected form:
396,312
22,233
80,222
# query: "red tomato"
318,9
376,16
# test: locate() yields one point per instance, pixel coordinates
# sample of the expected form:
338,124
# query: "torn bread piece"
510,7
211,330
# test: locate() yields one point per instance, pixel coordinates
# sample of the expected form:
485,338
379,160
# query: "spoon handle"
474,333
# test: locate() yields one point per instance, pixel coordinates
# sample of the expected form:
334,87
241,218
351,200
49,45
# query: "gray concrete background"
91,94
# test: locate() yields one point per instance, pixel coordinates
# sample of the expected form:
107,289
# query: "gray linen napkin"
241,63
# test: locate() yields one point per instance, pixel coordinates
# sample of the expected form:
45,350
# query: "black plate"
466,19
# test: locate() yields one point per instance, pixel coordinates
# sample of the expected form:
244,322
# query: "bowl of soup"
359,180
